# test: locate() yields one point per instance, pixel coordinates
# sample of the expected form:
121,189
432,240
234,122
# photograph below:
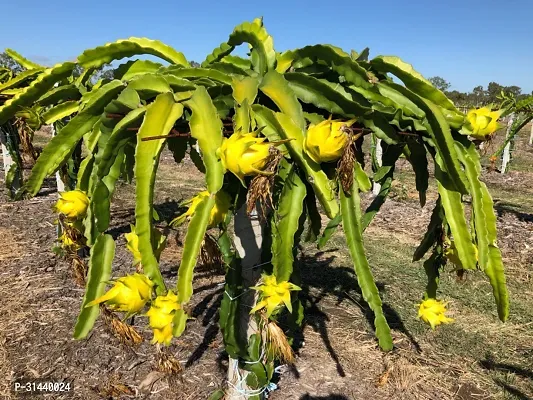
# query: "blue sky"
468,42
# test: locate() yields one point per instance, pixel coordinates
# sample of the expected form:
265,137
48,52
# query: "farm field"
476,357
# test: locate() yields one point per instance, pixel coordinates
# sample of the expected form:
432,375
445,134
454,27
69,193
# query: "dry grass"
16,315
127,334
277,342
5,370
260,190
11,244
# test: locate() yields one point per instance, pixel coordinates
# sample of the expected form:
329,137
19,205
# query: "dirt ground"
477,357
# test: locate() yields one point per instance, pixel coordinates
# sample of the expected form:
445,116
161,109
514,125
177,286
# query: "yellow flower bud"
483,122
129,294
431,311
274,294
218,212
161,314
132,244
73,204
67,240
163,335
244,154
326,141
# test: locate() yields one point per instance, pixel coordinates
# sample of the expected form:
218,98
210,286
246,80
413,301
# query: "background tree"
8,62
479,96
440,83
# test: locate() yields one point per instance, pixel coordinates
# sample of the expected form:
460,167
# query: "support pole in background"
379,157
59,181
531,135
8,160
507,150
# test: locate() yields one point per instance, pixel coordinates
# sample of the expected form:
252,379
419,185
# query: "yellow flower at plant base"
160,315
273,294
244,154
73,204
431,311
326,141
483,122
67,241
129,294
218,212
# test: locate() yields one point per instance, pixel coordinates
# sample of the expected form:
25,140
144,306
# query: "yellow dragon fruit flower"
244,154
326,141
160,315
132,244
218,212
73,204
67,241
431,311
129,294
273,294
483,122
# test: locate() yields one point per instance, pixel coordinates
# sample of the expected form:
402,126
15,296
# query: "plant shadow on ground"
491,365
207,309
503,207
320,279
329,397
124,216
49,187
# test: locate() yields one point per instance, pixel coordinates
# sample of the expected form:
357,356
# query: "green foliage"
191,250
315,175
99,56
35,90
412,79
206,128
23,62
20,78
160,117
263,56
384,176
455,216
433,231
351,219
57,152
102,254
285,225
60,112
490,258
126,122
523,114
59,94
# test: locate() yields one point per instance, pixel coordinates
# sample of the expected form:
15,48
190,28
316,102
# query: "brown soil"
39,303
